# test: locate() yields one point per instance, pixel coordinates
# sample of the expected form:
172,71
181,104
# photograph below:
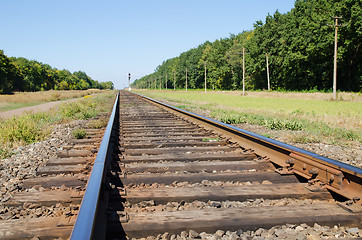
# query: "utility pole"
166,81
243,71
243,53
205,75
267,70
160,82
129,82
186,79
174,80
155,82
335,55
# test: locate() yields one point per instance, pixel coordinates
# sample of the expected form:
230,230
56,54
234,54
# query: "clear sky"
111,38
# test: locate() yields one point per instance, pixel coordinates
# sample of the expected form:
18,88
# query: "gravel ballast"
27,159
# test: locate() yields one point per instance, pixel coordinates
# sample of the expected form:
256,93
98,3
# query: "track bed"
174,176
158,172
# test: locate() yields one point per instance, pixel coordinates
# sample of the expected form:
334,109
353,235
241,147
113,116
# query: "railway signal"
129,81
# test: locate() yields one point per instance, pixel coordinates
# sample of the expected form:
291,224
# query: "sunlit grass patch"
83,109
312,115
233,117
34,127
27,128
98,123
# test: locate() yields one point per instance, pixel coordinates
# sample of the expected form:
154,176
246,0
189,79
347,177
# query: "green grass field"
316,117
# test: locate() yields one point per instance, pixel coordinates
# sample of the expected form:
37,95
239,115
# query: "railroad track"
161,171
48,204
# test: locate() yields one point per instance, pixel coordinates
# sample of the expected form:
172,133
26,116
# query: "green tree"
7,73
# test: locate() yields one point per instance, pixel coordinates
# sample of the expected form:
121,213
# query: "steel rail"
85,223
336,176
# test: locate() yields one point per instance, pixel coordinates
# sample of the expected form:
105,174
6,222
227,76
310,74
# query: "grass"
26,99
34,127
312,116
211,139
98,123
79,133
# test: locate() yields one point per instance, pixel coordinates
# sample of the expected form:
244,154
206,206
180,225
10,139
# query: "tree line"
21,74
299,46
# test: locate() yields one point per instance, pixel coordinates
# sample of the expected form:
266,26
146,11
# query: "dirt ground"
38,108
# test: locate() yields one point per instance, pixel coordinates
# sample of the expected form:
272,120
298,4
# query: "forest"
298,45
21,74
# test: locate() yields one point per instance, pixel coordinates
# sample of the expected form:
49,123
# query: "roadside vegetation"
303,118
34,127
25,99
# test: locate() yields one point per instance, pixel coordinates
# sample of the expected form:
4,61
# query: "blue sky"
108,39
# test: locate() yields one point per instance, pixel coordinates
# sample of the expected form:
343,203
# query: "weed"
98,123
83,109
186,107
231,117
79,133
211,139
5,152
267,135
305,138
285,124
27,128
23,130
349,135
69,110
